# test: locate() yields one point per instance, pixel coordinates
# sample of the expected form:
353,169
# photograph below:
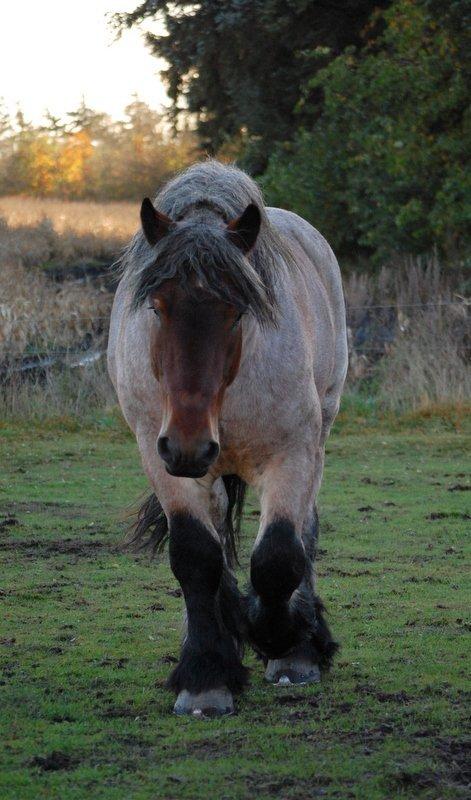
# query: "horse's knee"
278,563
195,555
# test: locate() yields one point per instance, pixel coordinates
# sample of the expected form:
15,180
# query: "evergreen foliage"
239,65
385,167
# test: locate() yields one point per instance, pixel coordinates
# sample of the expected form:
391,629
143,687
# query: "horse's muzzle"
181,464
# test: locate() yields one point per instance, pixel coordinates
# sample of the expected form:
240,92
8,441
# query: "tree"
5,121
239,65
384,167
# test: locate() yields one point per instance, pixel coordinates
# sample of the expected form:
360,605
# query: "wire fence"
371,333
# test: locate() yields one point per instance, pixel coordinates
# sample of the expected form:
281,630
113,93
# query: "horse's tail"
235,489
149,531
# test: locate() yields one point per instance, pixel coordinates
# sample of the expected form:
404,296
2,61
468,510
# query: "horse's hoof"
205,705
289,672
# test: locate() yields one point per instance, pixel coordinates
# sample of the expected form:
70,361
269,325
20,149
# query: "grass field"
88,634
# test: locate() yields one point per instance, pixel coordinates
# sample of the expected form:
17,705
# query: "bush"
383,168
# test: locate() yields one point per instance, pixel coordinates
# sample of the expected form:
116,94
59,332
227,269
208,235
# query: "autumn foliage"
89,155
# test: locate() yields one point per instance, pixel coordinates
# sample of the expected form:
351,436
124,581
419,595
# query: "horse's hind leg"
285,619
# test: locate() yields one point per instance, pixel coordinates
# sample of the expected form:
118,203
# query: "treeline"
89,155
354,114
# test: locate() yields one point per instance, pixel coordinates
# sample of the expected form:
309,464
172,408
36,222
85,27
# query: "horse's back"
301,234
317,262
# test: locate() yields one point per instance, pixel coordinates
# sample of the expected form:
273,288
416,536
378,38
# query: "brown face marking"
196,347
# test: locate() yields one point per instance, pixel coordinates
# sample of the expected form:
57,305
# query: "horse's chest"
251,440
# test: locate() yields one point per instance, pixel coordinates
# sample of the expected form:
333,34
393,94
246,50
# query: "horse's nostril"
163,447
177,459
210,452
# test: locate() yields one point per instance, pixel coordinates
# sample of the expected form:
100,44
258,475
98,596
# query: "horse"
228,353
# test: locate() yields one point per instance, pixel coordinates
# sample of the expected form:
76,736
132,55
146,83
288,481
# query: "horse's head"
196,339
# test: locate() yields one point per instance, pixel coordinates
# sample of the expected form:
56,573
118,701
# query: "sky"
53,52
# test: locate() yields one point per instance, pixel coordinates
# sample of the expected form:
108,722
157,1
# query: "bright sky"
54,51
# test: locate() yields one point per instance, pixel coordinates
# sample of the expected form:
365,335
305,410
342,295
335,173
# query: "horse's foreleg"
284,614
210,669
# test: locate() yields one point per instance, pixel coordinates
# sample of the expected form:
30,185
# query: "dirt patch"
216,747
46,549
342,573
291,699
116,663
54,761
168,659
456,754
406,779
65,510
460,487
344,708
448,515
286,786
174,592
370,735
8,522
384,482
453,768
120,711
392,697
365,559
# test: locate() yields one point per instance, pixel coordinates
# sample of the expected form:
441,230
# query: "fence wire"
93,345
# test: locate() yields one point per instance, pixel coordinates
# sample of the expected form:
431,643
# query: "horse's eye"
237,320
155,310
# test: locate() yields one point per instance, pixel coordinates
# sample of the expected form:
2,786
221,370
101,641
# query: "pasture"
89,633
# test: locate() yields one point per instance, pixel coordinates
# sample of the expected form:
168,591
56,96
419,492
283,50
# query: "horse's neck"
271,350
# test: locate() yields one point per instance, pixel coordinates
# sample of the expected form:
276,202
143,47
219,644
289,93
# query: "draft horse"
228,353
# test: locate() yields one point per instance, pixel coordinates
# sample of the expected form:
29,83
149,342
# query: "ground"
88,633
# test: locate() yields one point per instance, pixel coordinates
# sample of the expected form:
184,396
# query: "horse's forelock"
201,250
200,255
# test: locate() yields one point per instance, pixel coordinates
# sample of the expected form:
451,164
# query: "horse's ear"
243,231
154,224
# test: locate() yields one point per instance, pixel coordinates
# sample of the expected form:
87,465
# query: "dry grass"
403,286
410,337
58,393
67,320
38,315
37,232
82,216
428,364
409,330
64,321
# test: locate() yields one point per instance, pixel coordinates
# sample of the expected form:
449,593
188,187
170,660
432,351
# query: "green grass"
88,634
